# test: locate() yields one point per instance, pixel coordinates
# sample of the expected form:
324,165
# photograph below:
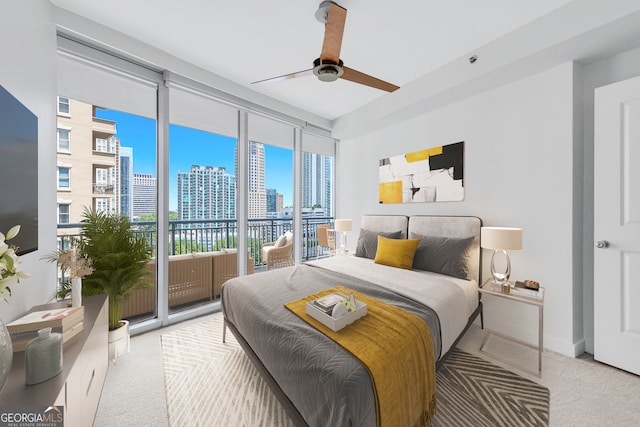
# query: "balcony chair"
279,253
326,239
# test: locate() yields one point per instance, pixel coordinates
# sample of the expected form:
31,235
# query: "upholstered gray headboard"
452,226
386,223
440,226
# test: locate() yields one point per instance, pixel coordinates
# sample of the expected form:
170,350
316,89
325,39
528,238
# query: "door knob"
602,244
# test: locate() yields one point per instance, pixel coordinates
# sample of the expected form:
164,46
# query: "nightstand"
490,288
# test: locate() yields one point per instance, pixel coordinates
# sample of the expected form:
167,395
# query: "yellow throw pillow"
396,252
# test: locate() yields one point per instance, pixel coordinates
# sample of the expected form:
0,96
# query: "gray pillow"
444,255
367,245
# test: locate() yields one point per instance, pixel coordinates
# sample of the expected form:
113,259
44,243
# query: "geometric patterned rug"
211,383
474,392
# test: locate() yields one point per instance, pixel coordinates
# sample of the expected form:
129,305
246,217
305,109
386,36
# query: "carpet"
208,383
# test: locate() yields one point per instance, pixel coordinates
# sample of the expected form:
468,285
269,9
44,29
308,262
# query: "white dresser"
85,362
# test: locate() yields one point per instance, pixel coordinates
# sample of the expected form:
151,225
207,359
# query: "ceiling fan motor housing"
323,11
326,70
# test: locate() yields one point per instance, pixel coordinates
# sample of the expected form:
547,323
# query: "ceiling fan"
329,67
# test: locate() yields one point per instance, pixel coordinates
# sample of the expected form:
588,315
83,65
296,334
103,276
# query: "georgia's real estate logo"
32,416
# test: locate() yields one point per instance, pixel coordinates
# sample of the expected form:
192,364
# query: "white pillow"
282,240
289,237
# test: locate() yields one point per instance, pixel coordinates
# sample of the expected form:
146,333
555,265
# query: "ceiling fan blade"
367,80
333,30
303,73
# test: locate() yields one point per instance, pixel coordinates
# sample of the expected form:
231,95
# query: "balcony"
195,280
103,127
105,146
103,189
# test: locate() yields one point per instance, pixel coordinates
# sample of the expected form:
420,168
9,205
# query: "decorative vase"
76,291
43,356
6,354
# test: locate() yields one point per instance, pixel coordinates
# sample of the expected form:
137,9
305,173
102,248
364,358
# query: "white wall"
27,48
519,162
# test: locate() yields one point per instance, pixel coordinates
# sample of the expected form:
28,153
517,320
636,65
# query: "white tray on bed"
337,323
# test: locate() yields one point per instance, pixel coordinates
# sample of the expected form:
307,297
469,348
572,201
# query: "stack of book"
326,303
521,289
321,309
67,321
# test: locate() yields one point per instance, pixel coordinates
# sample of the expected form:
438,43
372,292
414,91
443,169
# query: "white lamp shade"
505,238
342,225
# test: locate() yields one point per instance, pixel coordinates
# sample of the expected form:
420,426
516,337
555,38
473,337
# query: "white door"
617,225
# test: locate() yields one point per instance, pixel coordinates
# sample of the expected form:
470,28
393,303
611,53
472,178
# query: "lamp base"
343,243
501,277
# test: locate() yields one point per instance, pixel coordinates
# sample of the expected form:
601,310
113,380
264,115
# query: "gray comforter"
327,385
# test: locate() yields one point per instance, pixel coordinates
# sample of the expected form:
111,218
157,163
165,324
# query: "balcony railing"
103,189
206,236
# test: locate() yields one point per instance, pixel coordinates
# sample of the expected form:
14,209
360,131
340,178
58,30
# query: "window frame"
68,104
58,139
68,213
58,179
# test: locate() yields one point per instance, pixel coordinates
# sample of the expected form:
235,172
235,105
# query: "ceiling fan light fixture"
327,71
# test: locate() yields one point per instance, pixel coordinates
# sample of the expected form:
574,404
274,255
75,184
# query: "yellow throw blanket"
396,348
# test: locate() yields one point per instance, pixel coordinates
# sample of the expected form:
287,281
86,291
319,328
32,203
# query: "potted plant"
119,260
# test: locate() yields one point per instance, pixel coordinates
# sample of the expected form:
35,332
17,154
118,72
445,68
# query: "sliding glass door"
270,190
202,198
318,166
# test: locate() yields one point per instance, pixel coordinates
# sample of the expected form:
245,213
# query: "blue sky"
190,146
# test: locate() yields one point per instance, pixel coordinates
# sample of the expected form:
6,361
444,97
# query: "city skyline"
190,147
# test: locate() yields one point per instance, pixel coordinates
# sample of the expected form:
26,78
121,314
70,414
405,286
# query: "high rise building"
144,194
256,188
275,201
317,183
279,202
271,200
206,192
126,181
88,160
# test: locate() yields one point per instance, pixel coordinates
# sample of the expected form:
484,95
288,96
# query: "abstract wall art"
431,175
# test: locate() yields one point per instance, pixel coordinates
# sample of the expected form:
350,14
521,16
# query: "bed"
316,380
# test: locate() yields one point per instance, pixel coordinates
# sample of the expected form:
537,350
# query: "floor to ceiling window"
206,177
106,136
317,198
202,198
270,190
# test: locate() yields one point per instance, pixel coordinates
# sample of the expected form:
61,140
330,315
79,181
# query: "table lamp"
342,226
501,240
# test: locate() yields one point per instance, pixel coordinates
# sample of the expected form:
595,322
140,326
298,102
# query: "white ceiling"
249,40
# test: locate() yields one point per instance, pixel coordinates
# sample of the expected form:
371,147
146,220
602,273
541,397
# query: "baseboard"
566,349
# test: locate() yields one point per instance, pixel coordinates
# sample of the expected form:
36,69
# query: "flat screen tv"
18,172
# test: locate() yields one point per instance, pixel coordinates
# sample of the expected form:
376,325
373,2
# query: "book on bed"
327,303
